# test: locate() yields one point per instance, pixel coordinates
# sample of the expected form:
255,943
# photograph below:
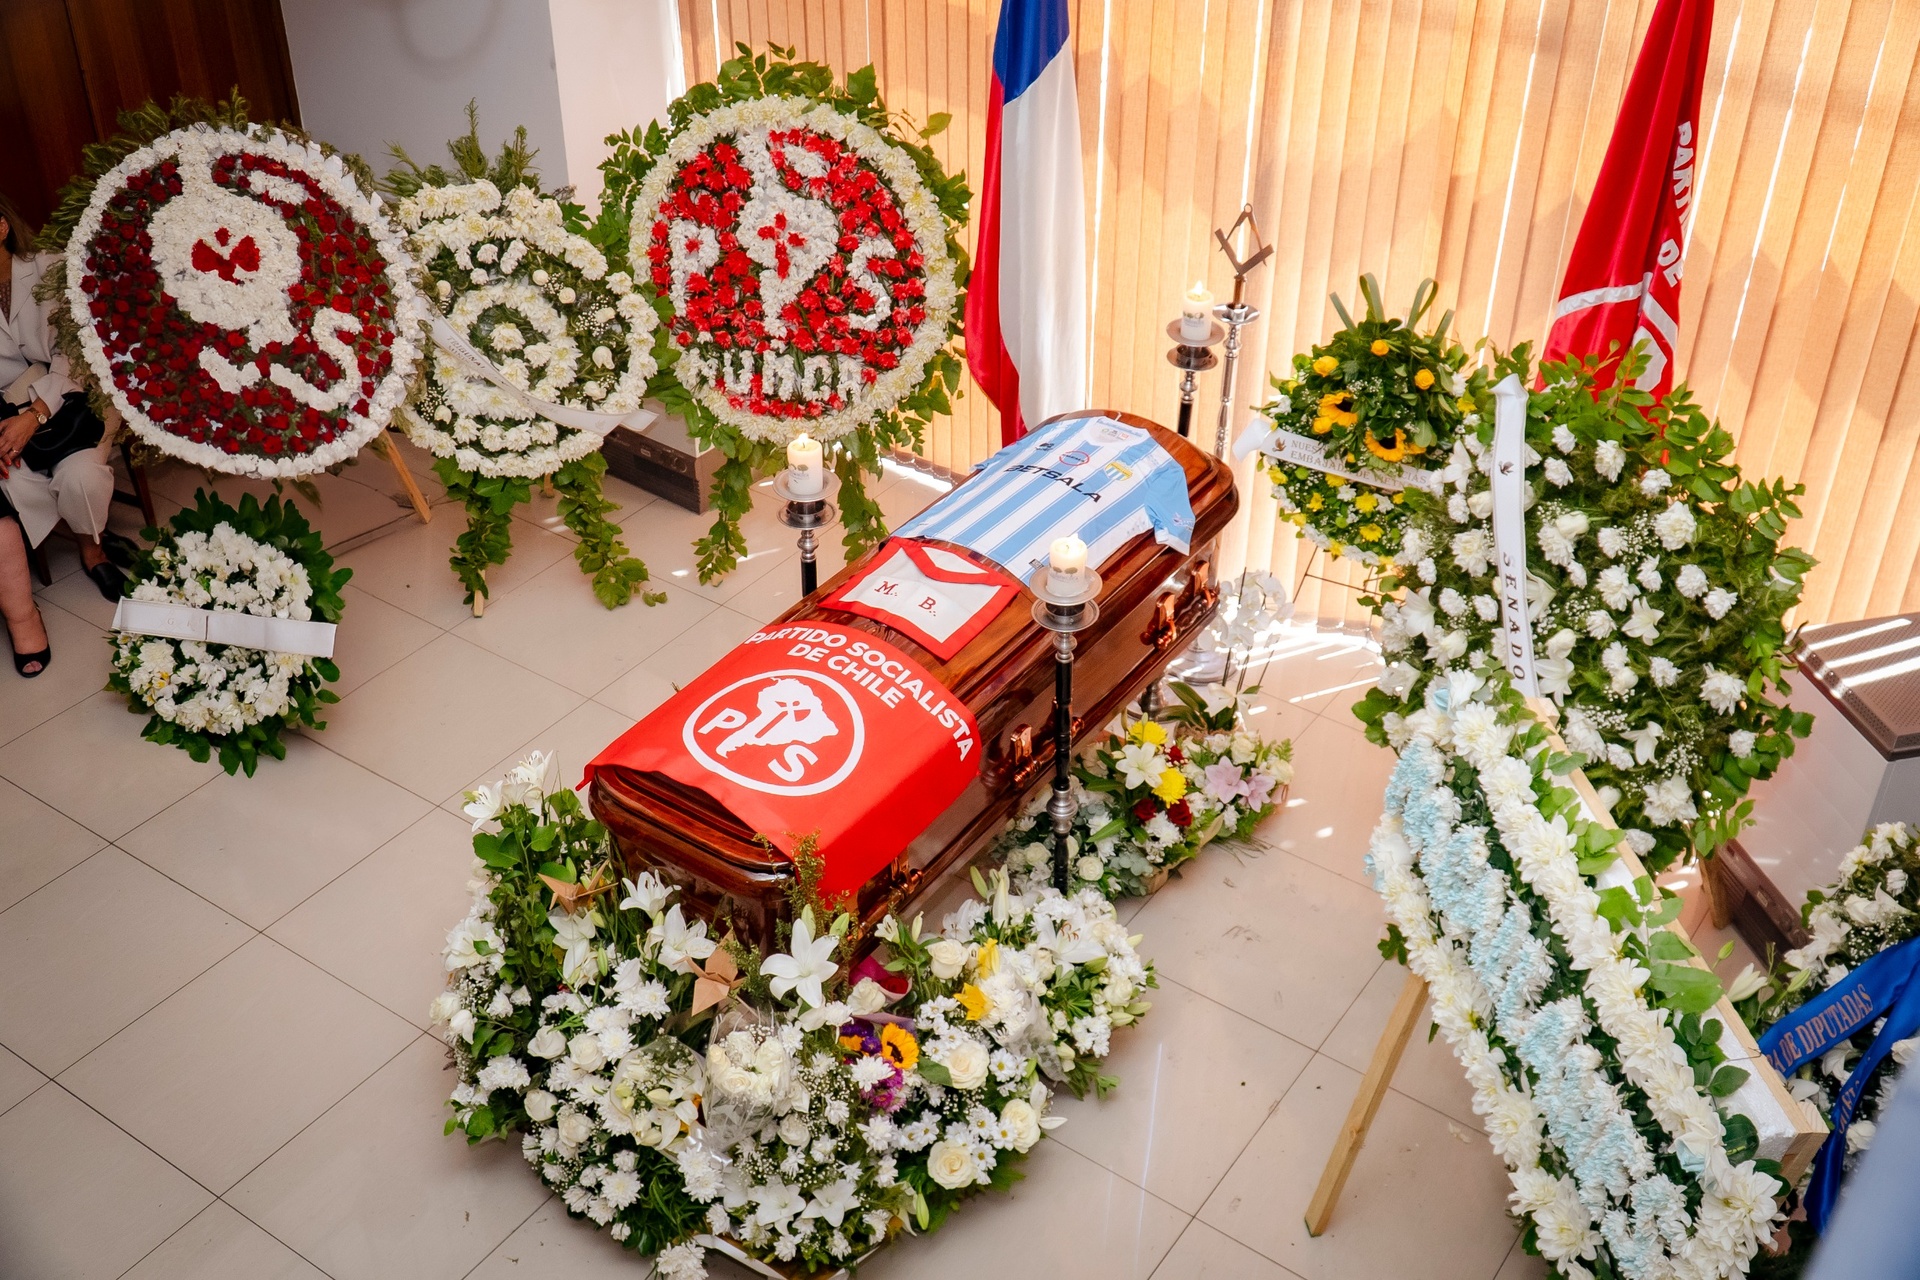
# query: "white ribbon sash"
1510,530
223,626
1304,451
469,357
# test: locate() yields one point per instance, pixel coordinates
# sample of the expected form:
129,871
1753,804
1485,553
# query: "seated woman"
50,468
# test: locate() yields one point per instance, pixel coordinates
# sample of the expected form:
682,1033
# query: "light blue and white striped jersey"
1092,476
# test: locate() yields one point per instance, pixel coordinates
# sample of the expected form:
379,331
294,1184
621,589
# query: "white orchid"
806,964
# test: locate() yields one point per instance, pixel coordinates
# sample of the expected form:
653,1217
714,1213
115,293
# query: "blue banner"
1883,985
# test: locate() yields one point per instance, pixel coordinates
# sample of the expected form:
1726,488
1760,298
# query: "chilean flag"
1027,302
1623,279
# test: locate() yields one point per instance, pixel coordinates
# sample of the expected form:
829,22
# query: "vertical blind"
1459,139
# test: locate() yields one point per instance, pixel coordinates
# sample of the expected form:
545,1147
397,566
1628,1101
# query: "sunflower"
1337,407
1399,450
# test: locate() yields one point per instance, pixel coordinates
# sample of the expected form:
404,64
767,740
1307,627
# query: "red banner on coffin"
815,729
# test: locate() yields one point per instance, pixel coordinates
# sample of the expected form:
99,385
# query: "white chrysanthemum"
1674,526
1668,801
1654,482
1608,459
1691,581
1719,601
1722,690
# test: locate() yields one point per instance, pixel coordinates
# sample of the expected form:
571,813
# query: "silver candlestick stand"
1237,313
1191,358
1064,610
809,516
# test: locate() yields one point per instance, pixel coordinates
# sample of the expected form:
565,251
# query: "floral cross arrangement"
1378,400
223,699
235,289
686,1092
802,248
1656,592
553,340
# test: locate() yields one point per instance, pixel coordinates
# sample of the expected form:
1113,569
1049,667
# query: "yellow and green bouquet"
1356,418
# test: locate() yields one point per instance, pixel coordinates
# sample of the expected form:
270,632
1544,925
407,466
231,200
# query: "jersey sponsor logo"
1075,458
789,732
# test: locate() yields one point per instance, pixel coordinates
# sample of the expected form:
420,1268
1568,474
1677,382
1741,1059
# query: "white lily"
1645,740
834,1201
807,964
483,804
679,940
1644,626
1141,764
645,893
533,779
575,933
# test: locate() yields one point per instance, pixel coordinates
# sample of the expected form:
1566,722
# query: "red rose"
1180,815
1145,810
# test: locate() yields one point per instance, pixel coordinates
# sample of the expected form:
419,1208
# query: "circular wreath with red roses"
806,263
244,302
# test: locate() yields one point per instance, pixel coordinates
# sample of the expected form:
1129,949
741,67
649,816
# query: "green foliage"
511,168
601,553
489,501
278,524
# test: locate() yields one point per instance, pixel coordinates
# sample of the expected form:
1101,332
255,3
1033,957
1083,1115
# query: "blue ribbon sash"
1882,985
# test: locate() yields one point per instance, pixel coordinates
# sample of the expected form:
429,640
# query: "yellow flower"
1172,785
1465,404
1380,347
1389,453
1423,379
1399,498
988,960
1366,502
1325,366
1151,732
1370,532
1316,502
1298,517
1322,425
1338,405
898,1046
974,1001
1335,548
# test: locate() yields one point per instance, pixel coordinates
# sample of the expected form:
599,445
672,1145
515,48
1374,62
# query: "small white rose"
1022,1123
793,1129
547,1042
540,1106
584,1052
951,1164
575,1127
949,958
966,1062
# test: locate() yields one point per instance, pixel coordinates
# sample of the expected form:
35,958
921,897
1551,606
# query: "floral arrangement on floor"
235,289
1379,400
1151,799
218,698
1873,905
1657,588
680,1089
803,250
1583,1024
549,334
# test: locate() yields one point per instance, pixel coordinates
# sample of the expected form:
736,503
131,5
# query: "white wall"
373,72
618,65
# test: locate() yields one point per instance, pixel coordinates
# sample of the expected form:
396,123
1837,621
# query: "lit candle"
806,476
1196,313
1067,563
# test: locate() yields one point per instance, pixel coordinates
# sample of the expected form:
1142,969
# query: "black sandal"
21,661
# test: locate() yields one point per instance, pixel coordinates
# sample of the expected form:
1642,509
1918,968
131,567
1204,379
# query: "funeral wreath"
802,247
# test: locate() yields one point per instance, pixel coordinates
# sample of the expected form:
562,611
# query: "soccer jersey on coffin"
1092,477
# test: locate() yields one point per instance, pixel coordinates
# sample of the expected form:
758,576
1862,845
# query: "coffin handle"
1163,628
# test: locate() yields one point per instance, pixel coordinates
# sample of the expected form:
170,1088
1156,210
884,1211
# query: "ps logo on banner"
790,733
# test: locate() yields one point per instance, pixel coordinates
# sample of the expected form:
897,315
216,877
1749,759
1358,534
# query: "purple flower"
1259,790
1224,781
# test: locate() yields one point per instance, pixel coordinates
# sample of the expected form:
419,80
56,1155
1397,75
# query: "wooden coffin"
1152,600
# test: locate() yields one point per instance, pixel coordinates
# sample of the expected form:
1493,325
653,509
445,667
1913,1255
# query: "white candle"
1067,562
1196,313
806,475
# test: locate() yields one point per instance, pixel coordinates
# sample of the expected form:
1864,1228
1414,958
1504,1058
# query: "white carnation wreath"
537,301
705,371
229,256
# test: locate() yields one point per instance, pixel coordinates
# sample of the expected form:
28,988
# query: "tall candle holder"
809,514
1064,607
1192,358
1237,313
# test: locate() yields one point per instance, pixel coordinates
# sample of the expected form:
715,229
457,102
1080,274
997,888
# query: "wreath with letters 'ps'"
803,250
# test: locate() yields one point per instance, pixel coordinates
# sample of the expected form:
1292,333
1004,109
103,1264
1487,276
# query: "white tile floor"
213,990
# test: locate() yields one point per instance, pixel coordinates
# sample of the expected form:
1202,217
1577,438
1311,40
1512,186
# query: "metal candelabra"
1239,312
1192,358
809,515
1064,608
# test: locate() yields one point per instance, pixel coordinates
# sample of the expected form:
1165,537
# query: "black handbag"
73,427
